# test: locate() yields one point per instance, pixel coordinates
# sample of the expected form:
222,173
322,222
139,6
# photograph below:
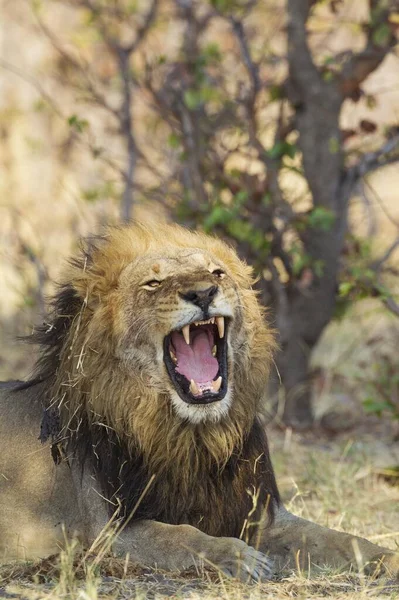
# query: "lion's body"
36,497
184,466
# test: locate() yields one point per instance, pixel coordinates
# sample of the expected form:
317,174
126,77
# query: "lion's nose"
201,298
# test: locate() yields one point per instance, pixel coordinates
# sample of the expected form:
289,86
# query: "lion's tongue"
195,361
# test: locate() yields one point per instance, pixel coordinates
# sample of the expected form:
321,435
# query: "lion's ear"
95,272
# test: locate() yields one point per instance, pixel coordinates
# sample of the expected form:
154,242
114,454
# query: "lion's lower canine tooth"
214,350
220,324
186,334
216,384
173,356
194,389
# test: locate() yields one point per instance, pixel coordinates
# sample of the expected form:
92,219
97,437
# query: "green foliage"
174,141
382,35
77,123
282,148
104,190
276,92
233,220
357,279
321,218
222,5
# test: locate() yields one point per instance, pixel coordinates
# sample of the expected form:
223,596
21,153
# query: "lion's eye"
219,273
151,285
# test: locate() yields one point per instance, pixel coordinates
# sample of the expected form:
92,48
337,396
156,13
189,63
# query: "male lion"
152,370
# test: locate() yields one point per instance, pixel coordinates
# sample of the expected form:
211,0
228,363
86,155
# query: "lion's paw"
246,563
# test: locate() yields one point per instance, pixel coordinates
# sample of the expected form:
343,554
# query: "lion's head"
157,337
171,310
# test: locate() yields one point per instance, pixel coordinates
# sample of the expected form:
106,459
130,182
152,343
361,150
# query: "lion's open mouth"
196,360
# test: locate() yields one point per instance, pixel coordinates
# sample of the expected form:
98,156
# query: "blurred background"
272,124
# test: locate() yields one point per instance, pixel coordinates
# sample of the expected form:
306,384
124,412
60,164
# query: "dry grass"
333,482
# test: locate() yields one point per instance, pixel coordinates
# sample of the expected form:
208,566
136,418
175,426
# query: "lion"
144,411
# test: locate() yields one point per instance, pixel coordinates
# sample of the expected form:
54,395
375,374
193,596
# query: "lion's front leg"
296,543
177,547
168,547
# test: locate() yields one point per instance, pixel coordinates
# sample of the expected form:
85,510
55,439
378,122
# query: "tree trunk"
308,306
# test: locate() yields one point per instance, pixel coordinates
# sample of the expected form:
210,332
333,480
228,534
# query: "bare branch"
251,66
127,132
83,70
381,203
34,83
361,64
376,265
387,154
392,305
144,28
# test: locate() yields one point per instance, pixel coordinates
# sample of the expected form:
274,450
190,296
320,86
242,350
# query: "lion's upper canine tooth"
216,384
186,334
220,324
194,389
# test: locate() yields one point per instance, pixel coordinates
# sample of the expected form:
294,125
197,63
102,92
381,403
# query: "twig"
359,65
126,130
251,66
387,154
376,265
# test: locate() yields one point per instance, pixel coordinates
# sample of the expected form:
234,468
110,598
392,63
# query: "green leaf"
275,93
282,148
266,199
321,218
382,35
174,141
78,124
328,76
376,407
241,197
345,288
219,215
222,5
192,99
212,52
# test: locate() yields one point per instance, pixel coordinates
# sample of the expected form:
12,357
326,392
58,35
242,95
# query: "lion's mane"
149,462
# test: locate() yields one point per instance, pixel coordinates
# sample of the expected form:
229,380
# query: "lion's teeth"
220,324
173,356
186,334
212,320
194,389
216,384
214,350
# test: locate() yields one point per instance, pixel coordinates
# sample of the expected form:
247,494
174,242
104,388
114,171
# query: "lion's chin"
201,413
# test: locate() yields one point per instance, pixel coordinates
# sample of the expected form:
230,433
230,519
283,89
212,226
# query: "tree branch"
125,120
376,265
380,41
144,28
251,66
303,73
387,154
